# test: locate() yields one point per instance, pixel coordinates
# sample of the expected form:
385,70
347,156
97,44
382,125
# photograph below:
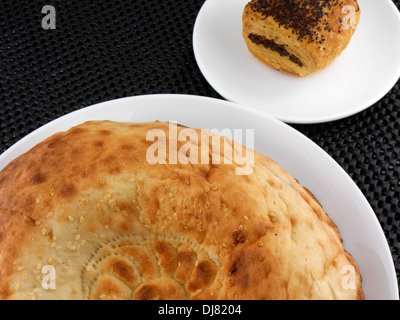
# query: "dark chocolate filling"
272,45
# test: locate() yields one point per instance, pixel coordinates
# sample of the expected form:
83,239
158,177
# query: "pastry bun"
86,206
299,37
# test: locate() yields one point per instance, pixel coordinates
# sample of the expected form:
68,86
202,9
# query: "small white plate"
362,234
362,75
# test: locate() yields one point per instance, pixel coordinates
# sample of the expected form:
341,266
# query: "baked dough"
299,37
88,204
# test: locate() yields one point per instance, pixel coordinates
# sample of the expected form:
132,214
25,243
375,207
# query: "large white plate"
344,202
362,75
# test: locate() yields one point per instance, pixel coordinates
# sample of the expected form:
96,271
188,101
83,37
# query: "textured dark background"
107,49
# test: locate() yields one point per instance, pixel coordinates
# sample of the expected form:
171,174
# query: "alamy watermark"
202,148
49,20
349,279
349,21
49,277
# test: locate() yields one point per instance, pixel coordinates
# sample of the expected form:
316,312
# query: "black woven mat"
107,49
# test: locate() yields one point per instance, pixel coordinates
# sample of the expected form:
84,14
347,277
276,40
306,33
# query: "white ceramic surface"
315,169
362,75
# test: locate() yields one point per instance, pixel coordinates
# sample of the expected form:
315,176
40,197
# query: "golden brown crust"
298,37
113,226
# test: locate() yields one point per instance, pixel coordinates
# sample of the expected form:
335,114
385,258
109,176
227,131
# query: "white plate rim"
68,120
292,120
